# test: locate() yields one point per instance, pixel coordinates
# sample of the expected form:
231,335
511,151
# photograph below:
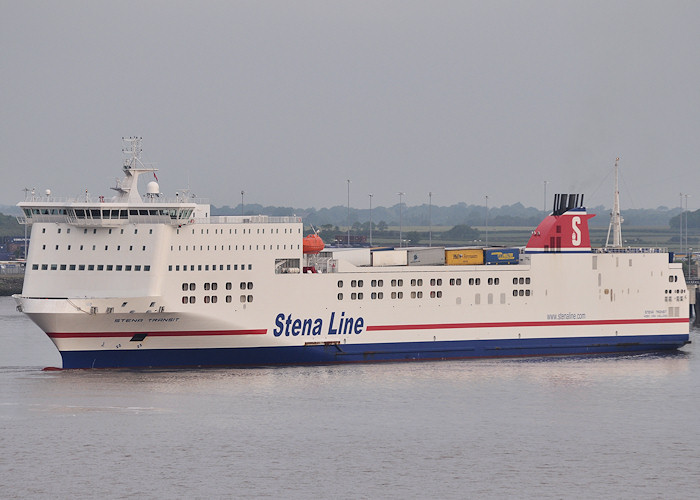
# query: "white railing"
105,200
631,250
252,219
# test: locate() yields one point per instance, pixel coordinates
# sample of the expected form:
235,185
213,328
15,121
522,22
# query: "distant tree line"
516,215
693,220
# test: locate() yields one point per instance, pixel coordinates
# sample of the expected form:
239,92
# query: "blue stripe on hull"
350,353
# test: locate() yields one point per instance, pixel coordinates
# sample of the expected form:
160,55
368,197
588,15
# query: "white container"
396,257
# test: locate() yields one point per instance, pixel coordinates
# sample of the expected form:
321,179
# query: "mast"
615,217
127,188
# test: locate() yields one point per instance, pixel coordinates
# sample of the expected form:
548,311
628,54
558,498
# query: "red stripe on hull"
446,326
55,335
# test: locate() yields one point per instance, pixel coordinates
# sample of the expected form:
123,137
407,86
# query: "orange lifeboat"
313,244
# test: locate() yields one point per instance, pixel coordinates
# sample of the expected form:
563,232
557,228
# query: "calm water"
614,427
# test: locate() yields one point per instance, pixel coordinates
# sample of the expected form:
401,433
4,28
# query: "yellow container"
464,257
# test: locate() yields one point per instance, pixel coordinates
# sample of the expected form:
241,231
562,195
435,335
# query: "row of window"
94,247
246,231
670,299
91,267
205,267
433,294
116,214
94,231
213,299
231,248
202,231
394,295
244,285
433,282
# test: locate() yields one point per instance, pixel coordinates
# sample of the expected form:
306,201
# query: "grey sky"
287,100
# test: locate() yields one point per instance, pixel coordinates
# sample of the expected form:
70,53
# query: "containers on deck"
464,256
433,256
501,255
422,256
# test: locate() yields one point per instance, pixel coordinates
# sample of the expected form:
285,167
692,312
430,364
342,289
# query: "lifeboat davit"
313,244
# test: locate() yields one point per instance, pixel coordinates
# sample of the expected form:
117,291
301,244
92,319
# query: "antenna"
615,217
132,148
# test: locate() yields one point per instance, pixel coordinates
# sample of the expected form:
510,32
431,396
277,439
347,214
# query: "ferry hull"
371,352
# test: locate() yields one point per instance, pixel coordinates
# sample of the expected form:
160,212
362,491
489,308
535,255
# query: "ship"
141,280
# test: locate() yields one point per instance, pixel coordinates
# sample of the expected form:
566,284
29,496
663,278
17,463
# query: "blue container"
501,255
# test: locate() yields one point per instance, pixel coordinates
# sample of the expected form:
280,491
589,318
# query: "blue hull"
353,353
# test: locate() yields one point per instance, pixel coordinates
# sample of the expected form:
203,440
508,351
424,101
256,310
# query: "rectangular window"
119,267
110,267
